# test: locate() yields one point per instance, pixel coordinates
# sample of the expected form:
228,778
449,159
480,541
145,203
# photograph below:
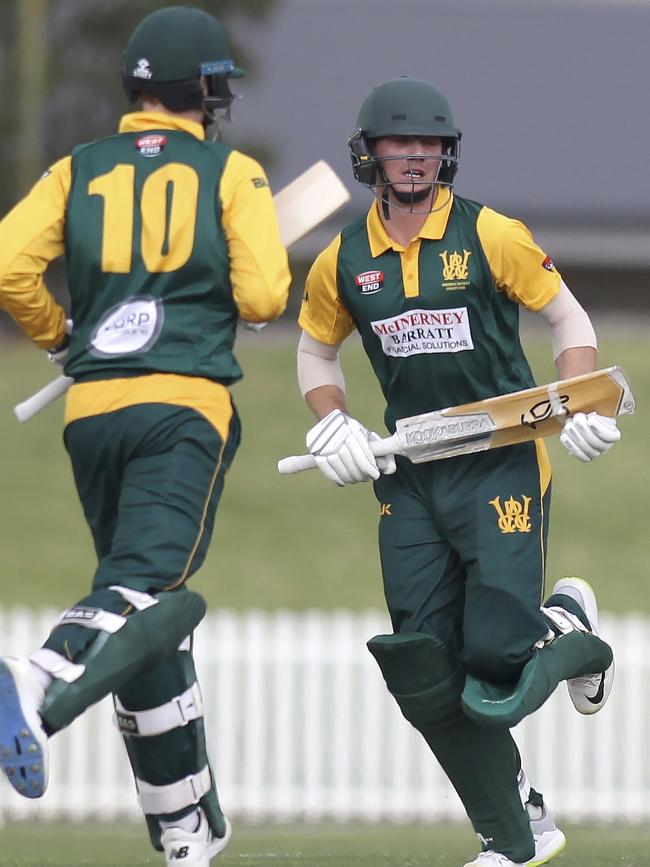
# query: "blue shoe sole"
21,755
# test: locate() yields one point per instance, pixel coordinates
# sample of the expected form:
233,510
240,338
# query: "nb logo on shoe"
513,515
178,854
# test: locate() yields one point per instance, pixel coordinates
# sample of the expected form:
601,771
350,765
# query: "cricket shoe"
24,751
549,842
590,692
495,859
193,848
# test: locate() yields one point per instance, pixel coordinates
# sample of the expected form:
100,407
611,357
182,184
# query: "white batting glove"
588,436
341,447
58,354
387,465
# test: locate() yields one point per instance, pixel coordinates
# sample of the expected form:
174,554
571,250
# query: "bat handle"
298,463
49,393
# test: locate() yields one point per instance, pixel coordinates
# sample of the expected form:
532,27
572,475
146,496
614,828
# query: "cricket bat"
497,421
301,206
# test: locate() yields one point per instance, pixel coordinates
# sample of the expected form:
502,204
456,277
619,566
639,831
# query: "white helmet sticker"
132,326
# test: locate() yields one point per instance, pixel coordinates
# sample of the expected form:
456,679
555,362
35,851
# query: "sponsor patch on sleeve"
548,264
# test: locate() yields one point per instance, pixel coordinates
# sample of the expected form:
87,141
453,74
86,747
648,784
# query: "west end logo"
369,282
513,515
455,269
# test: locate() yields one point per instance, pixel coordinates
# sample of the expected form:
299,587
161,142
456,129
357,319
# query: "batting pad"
113,658
573,655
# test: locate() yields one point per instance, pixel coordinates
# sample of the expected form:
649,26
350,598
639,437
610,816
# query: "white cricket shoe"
193,848
549,842
588,693
24,750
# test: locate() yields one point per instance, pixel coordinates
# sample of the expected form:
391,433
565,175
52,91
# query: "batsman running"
169,238
433,283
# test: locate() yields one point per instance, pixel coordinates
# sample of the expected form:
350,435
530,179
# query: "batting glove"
387,465
588,436
341,447
58,354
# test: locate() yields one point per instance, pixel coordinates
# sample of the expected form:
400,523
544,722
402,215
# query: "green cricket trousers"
462,544
149,478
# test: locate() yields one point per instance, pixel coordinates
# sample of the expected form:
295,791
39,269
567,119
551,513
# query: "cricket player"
169,239
433,282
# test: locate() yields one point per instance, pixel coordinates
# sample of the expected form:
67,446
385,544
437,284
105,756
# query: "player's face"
410,163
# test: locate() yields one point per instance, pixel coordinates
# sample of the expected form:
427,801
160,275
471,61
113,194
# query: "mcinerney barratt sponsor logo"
425,331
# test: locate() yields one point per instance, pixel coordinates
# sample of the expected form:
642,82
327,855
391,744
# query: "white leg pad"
161,800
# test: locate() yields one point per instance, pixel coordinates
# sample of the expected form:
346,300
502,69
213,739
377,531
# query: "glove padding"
58,354
588,436
341,447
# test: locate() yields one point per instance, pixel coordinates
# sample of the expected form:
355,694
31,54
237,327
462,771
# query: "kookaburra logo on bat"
541,411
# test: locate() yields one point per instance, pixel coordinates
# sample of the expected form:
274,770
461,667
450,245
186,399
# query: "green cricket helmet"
403,107
168,54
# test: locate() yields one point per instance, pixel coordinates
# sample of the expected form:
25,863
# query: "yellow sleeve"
322,315
259,268
519,266
31,236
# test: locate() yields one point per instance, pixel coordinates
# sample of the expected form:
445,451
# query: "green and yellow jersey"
439,319
168,239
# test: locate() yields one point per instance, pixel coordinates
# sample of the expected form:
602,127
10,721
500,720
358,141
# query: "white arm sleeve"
570,324
318,364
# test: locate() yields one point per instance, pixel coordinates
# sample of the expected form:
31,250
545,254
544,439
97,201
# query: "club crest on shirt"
548,264
455,269
369,282
151,145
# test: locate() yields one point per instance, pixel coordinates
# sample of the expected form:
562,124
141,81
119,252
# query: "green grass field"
27,845
299,542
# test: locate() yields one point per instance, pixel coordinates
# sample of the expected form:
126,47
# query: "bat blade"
513,418
307,201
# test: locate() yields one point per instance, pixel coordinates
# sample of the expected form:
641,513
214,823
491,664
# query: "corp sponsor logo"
130,327
151,145
369,282
424,332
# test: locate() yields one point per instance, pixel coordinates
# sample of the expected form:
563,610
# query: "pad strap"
140,601
562,622
160,800
92,618
157,720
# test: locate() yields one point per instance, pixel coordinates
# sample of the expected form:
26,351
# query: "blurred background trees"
60,75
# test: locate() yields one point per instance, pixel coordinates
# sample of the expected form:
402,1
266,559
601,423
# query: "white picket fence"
301,727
